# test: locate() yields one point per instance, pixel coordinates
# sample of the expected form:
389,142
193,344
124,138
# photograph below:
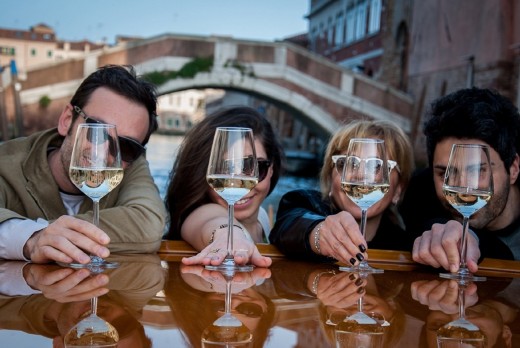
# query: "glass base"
229,266
462,277
363,267
96,264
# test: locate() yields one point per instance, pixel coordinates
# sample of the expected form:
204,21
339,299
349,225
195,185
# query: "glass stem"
363,227
363,221
462,303
96,212
93,304
231,219
360,304
227,301
463,248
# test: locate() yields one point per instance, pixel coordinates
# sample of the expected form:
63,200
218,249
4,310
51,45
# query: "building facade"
38,46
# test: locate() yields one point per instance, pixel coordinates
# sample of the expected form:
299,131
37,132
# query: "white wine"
231,188
466,203
365,195
227,334
96,183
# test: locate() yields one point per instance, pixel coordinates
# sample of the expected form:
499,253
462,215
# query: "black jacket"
301,210
421,208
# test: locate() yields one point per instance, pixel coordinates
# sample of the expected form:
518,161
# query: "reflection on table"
155,301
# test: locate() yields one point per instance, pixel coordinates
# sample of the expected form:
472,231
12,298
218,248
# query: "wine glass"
96,169
361,329
227,330
468,186
460,332
365,181
232,173
92,331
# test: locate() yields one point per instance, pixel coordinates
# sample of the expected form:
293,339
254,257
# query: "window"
7,51
340,30
330,32
374,21
33,52
49,54
361,19
351,21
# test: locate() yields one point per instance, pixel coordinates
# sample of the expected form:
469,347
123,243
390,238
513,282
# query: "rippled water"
161,152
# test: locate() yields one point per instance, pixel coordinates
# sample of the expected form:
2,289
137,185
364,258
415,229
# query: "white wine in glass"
365,180
461,332
96,169
468,186
227,330
92,331
232,173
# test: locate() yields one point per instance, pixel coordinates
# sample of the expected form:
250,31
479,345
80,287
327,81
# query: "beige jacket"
133,214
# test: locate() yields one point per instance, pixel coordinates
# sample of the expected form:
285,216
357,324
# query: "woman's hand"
202,279
340,290
340,238
245,251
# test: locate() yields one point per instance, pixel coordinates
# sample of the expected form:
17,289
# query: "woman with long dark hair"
198,215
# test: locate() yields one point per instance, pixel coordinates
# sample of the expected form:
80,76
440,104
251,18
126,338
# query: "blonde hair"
397,143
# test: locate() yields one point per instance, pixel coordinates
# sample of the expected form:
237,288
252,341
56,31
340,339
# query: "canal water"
161,152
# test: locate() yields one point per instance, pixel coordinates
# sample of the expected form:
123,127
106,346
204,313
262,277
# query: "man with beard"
44,217
467,116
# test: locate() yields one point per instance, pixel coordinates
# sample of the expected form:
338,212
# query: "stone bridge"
313,89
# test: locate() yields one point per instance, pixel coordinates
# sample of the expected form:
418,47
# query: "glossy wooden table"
155,301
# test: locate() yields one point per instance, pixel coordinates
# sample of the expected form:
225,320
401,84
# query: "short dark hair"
120,79
185,192
475,113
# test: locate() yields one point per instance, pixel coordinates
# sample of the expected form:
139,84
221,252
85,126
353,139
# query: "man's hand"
439,247
65,284
442,295
66,240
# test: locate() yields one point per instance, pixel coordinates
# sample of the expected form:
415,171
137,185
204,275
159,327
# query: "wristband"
317,238
220,227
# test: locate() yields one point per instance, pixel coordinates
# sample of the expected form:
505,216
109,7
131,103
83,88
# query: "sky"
103,20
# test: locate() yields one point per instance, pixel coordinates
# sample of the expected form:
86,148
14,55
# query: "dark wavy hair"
120,79
188,189
475,113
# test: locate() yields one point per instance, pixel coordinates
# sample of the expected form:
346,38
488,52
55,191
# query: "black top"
421,208
301,210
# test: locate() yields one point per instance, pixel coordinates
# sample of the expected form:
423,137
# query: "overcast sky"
98,20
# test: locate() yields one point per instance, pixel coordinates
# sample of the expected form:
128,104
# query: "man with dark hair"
478,116
43,215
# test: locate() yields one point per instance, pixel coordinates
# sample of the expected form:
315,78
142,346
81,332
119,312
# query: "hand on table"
65,284
245,252
340,290
442,295
200,278
65,240
439,247
341,239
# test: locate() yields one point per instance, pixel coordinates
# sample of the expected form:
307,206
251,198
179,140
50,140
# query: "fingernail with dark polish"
353,261
360,257
362,248
352,277
359,282
360,290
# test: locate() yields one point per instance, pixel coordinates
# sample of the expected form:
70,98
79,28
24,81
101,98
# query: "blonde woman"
318,225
